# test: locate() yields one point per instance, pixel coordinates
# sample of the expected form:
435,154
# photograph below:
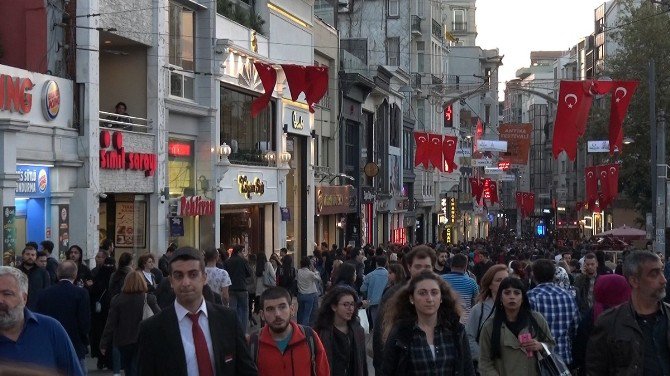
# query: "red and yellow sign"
51,100
15,94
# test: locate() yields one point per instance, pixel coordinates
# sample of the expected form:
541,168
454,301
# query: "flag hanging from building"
574,103
621,97
268,76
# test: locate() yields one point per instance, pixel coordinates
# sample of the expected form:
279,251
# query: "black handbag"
549,364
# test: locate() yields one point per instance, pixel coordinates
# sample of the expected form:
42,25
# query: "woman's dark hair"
125,260
304,262
400,308
142,261
399,272
261,260
346,274
500,315
326,316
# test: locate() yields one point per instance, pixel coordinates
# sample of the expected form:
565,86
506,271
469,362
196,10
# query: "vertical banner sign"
63,229
518,142
9,236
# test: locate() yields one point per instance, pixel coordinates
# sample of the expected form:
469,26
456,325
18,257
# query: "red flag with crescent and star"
421,152
591,176
268,76
609,182
574,103
621,97
449,152
296,78
435,150
493,191
317,84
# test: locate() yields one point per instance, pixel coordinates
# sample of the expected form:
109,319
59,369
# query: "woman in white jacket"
484,308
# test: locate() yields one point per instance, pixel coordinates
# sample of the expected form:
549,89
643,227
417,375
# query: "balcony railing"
416,25
459,26
124,122
437,30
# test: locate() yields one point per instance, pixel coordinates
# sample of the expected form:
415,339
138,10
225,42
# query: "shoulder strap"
481,323
253,347
309,337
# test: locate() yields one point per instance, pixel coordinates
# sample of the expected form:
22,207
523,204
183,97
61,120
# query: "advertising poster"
9,235
176,226
518,142
63,228
130,227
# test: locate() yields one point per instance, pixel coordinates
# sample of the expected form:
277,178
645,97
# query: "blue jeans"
307,303
239,302
116,360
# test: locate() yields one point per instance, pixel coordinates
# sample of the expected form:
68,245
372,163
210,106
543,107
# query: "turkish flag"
435,150
296,78
574,103
609,181
449,144
530,203
317,84
268,76
474,187
621,97
591,176
600,87
422,146
493,191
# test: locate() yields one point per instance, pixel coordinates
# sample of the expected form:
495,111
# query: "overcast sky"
517,27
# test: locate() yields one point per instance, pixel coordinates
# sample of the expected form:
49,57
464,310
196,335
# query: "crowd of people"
499,306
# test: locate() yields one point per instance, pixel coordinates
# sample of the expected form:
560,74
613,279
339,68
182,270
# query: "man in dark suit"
69,304
192,337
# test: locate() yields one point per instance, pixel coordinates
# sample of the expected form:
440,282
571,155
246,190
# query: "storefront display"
32,202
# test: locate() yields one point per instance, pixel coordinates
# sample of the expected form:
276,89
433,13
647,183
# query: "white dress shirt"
186,331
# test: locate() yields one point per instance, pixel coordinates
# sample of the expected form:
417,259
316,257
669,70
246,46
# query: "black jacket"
71,306
326,336
239,270
125,315
396,351
38,280
161,352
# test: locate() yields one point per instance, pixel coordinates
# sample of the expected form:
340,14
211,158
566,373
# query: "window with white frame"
394,8
182,51
459,22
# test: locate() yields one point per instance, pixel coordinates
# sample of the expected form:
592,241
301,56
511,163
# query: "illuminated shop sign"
190,206
15,94
118,159
33,181
179,149
248,187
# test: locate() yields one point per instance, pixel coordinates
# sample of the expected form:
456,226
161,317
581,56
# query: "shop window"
249,138
182,51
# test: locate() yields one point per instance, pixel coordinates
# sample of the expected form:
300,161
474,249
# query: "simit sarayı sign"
119,159
190,206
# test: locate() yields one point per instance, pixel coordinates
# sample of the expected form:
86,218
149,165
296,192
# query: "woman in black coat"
123,322
100,299
342,335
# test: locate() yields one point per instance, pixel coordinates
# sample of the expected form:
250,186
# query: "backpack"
309,337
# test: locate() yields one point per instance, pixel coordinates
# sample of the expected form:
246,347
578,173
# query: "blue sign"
541,230
33,181
176,226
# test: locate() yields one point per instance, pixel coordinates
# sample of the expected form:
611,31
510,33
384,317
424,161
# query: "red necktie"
201,351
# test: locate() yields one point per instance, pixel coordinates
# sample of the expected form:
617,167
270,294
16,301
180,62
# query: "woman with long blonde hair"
422,330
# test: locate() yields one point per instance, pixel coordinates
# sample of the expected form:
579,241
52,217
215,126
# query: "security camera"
103,195
162,198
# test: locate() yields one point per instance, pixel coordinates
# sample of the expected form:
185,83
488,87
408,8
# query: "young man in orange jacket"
283,347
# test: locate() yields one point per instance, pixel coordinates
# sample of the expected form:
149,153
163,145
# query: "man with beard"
441,267
29,339
634,338
192,336
283,347
38,278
